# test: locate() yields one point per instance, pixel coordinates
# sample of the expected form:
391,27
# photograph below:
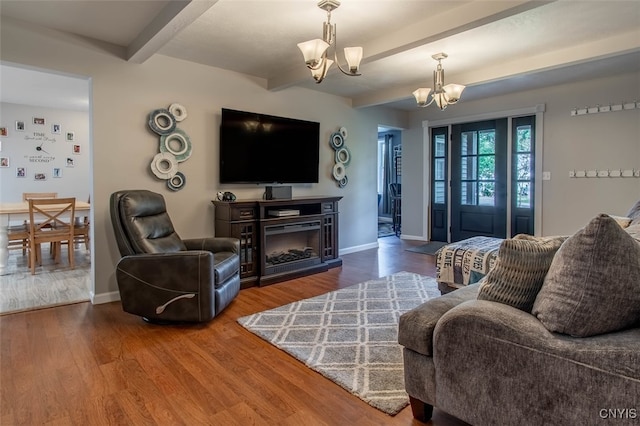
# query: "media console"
281,239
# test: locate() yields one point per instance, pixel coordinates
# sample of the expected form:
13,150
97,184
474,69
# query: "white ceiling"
494,47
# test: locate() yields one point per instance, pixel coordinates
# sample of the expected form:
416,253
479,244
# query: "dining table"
17,212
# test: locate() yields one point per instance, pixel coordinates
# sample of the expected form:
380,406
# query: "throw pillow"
621,220
519,271
593,284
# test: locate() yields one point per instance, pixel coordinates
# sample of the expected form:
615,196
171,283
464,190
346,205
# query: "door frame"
537,110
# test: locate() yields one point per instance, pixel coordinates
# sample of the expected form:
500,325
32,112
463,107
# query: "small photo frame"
57,172
40,176
4,161
76,149
4,131
70,162
55,129
21,172
70,136
19,126
38,120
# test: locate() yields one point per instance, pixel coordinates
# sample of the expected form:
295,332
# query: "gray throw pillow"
519,271
593,284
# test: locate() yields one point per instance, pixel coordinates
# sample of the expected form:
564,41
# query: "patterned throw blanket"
466,262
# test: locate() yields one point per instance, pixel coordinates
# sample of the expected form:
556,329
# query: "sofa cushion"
519,272
593,284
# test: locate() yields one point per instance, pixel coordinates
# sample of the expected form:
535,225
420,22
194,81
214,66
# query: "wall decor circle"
177,143
343,182
343,155
178,111
176,182
336,141
339,171
162,121
164,165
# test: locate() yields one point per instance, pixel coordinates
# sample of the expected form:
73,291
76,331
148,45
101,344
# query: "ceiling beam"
460,19
617,45
172,19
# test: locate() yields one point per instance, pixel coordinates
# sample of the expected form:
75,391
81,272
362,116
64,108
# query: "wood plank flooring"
84,365
53,283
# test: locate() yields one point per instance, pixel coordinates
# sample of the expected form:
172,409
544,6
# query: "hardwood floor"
84,364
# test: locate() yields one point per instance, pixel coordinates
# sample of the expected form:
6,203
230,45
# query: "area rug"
350,335
385,229
429,248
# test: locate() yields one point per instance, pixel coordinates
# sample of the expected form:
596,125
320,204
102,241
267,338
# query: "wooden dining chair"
26,196
51,220
18,236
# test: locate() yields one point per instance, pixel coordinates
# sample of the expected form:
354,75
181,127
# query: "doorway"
474,192
61,103
389,179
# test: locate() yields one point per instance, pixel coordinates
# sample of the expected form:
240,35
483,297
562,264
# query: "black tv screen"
260,148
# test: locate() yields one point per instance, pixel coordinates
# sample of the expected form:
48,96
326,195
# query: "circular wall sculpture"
174,146
342,156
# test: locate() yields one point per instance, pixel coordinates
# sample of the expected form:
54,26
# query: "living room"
123,93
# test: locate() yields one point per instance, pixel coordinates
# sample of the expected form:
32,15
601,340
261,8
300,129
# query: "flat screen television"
260,148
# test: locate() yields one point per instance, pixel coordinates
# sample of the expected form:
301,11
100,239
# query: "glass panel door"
439,179
522,176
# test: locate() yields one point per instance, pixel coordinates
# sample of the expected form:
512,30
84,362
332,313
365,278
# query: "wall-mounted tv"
260,148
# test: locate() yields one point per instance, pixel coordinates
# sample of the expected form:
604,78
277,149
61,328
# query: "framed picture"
38,121
40,176
55,129
19,126
70,136
70,162
57,172
4,131
76,149
21,172
4,161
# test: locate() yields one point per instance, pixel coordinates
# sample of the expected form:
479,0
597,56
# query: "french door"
470,179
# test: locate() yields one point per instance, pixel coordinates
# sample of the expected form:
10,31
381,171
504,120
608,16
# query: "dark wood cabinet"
281,239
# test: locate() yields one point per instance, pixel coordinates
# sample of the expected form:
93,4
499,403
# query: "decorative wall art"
38,120
4,161
4,131
70,136
21,172
174,145
55,129
19,126
342,156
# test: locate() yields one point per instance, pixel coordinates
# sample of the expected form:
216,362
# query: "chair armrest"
415,330
168,286
480,320
214,245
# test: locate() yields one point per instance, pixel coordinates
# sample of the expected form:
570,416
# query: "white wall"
123,94
20,148
588,142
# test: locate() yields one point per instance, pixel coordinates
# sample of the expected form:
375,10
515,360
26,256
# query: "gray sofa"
489,363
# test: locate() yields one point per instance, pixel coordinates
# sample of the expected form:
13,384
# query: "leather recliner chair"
163,278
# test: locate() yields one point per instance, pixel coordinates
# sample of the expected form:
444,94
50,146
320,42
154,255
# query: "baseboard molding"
98,299
413,237
355,249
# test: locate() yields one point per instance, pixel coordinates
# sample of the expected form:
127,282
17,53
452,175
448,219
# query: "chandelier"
315,51
442,95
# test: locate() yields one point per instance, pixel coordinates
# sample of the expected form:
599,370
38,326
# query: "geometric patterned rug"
350,335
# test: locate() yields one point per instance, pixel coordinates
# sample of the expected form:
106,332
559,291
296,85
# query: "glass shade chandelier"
315,51
442,95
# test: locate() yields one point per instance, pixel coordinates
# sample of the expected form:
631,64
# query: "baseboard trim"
413,237
355,249
98,299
